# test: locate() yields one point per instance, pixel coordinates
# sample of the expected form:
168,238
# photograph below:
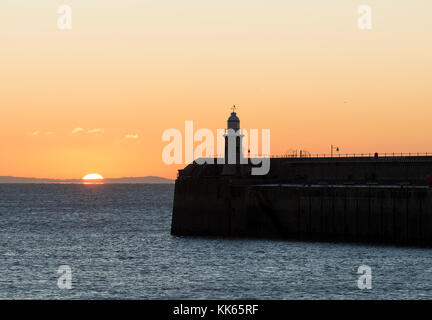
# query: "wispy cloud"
131,136
96,130
39,133
76,130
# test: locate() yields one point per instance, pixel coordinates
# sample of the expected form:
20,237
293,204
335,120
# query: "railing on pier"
355,155
337,155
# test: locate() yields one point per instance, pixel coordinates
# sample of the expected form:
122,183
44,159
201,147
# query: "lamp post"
333,148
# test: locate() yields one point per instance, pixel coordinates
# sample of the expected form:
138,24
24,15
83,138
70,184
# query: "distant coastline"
147,179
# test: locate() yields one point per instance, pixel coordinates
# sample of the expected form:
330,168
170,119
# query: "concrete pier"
365,199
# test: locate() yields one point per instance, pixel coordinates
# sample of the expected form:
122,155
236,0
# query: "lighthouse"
233,140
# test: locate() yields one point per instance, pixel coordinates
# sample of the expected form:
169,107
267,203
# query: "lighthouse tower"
233,140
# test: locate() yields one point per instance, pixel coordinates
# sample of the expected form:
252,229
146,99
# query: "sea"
113,241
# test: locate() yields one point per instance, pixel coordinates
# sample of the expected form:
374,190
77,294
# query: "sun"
92,176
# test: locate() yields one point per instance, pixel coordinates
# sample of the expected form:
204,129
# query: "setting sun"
92,176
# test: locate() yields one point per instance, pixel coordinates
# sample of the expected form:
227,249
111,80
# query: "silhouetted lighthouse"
233,143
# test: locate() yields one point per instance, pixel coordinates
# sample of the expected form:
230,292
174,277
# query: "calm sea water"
116,240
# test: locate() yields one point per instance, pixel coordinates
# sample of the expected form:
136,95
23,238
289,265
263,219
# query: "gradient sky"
301,68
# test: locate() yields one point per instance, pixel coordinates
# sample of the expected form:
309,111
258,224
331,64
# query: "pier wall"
393,206
201,208
400,215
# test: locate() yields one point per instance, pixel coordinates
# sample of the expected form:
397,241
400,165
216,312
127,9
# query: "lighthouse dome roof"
233,117
233,122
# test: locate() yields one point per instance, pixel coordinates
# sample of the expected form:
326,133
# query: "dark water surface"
116,240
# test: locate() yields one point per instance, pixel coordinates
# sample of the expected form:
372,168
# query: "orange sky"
140,67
